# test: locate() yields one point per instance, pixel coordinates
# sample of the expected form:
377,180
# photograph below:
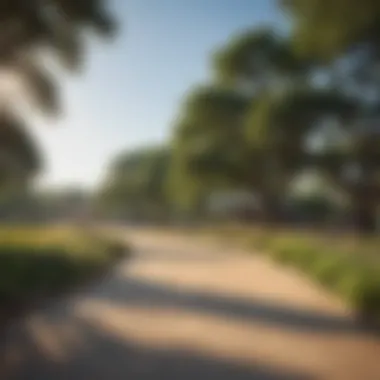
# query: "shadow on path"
130,291
173,255
106,357
102,356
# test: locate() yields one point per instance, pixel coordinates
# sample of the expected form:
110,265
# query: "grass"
37,260
344,264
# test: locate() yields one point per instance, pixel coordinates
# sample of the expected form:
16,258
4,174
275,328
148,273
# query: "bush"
327,267
356,279
348,267
38,261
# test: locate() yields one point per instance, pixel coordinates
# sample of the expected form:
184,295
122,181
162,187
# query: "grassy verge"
40,261
347,265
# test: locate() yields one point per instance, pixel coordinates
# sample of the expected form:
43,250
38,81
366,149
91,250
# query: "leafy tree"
250,129
325,29
34,29
256,59
32,33
277,129
208,150
136,183
263,62
19,155
245,131
343,37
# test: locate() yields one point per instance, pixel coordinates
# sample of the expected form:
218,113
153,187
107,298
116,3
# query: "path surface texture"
186,309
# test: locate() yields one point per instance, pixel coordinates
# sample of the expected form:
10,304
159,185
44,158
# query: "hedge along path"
36,261
344,264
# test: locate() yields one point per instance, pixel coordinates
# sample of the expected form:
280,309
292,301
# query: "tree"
136,183
224,137
263,63
34,31
19,155
280,127
208,145
256,59
250,128
344,40
325,30
57,25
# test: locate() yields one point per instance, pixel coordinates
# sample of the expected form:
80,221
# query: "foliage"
231,136
349,274
257,58
347,265
19,157
33,34
136,183
251,127
342,37
34,261
327,29
209,138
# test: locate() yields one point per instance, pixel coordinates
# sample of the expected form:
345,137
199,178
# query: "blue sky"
132,88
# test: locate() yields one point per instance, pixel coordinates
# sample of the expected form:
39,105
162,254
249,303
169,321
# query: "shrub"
357,281
326,268
349,268
35,261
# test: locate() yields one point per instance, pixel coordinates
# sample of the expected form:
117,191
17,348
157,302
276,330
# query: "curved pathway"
183,309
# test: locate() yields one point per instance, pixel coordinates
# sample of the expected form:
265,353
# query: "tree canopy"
327,29
251,126
32,32
136,183
19,154
265,116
